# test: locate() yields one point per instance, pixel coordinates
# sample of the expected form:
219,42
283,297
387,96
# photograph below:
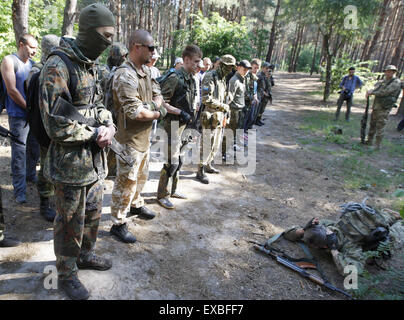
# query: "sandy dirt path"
198,250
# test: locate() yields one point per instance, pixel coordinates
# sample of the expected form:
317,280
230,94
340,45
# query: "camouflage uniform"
264,86
133,89
249,109
69,163
236,101
117,55
213,118
386,95
172,89
50,41
351,229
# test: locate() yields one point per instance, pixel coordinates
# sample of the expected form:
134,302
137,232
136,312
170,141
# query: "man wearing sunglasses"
137,101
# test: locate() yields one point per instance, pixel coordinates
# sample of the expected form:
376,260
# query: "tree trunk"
175,40
20,18
328,57
273,33
69,17
314,55
379,26
150,16
299,47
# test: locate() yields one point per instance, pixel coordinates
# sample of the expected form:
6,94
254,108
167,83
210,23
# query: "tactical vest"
358,224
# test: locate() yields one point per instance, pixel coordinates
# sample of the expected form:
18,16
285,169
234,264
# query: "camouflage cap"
266,65
118,50
390,67
48,42
228,60
116,54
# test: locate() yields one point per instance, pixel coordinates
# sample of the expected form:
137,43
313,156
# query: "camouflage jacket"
174,88
264,85
70,157
250,81
236,92
352,228
214,91
133,90
387,92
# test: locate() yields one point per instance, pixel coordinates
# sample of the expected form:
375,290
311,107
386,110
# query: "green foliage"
306,59
340,68
45,17
216,36
7,39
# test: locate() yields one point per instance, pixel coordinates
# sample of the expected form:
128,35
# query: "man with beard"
137,102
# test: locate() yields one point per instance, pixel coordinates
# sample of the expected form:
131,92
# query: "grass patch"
354,163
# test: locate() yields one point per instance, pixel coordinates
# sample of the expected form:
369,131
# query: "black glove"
185,117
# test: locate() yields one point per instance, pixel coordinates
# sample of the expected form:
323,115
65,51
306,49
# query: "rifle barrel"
301,271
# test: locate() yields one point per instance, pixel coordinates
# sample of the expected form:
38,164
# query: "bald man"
137,100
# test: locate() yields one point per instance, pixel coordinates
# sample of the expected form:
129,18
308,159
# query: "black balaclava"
91,43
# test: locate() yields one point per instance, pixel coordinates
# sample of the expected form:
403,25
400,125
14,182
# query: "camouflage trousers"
213,122
261,107
170,173
76,224
2,224
378,121
234,124
45,188
129,184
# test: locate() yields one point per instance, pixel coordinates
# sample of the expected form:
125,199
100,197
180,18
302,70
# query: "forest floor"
200,250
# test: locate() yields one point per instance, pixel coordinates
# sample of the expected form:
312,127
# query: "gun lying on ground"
7,134
300,270
364,122
65,109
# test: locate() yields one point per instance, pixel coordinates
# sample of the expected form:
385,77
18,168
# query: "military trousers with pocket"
169,175
129,183
76,224
212,138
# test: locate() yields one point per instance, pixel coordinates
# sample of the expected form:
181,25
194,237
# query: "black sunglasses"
151,48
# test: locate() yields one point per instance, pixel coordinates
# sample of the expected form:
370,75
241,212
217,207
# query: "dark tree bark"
69,17
273,33
315,53
379,27
20,18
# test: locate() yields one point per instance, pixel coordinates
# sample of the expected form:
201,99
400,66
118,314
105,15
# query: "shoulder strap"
72,72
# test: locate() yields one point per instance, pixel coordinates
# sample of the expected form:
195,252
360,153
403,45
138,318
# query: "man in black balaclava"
76,161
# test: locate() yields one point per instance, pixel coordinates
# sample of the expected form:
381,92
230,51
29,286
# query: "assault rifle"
364,121
64,109
300,270
8,134
183,104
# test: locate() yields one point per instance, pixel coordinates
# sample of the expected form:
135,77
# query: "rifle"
300,270
364,121
8,134
64,109
183,104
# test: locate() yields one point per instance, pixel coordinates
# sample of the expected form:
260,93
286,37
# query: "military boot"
166,203
94,262
74,288
201,175
122,233
46,211
211,169
8,243
142,212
